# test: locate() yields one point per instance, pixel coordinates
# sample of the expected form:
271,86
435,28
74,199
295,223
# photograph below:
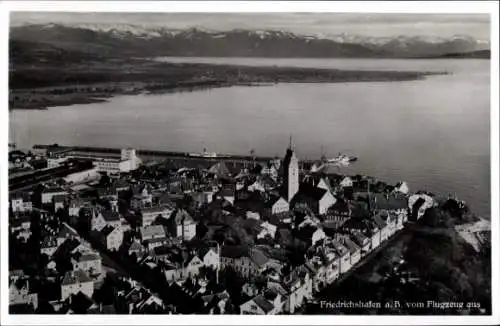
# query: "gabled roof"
340,206
278,254
49,242
235,252
265,305
350,245
312,192
153,230
110,215
379,222
219,169
67,231
181,216
74,277
76,202
273,199
59,198
227,192
258,257
155,209
135,246
121,184
355,224
339,248
80,303
87,257
107,230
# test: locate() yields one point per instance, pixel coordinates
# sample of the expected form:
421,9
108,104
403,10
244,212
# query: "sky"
365,24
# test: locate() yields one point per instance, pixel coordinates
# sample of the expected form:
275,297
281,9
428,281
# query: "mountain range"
137,41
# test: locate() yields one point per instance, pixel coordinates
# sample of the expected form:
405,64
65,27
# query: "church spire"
290,143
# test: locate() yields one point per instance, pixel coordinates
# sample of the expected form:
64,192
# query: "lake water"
432,133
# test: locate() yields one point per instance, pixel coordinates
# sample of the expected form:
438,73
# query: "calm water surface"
433,133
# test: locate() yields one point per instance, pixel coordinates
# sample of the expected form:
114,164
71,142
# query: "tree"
105,180
45,308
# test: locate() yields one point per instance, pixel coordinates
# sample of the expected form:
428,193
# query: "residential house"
331,260
90,263
277,205
258,185
344,254
396,204
177,268
202,197
390,219
182,225
149,214
75,205
295,287
324,183
227,193
318,272
47,193
310,234
136,248
362,241
317,199
49,245
252,215
142,197
262,304
210,257
153,236
250,289
268,230
340,211
309,221
142,301
219,170
246,261
111,237
21,203
271,169
21,227
346,182
121,185
66,232
58,202
109,194
106,218
354,249
20,291
74,282
373,233
382,226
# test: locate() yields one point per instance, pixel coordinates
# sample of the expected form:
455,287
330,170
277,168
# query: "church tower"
290,173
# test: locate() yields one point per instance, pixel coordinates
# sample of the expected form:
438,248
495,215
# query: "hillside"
483,54
129,40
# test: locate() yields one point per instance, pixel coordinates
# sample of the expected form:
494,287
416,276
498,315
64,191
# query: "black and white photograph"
319,163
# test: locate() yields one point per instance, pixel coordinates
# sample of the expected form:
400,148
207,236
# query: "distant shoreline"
50,86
